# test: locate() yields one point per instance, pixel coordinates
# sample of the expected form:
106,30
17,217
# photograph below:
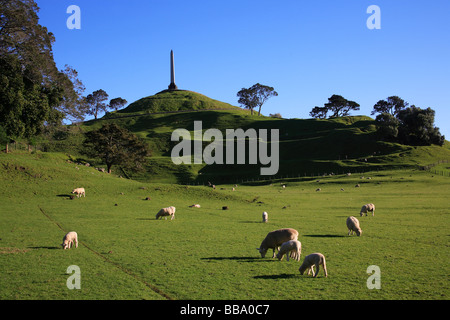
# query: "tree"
417,127
116,146
117,103
319,112
95,102
392,105
387,126
339,106
255,96
31,86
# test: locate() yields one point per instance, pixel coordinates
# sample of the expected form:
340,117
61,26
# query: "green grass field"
209,253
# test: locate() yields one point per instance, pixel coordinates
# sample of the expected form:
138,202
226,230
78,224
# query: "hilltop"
173,100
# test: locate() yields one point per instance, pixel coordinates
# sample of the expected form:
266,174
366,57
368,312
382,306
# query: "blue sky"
306,50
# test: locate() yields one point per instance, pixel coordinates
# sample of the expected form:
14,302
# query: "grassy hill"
308,147
207,253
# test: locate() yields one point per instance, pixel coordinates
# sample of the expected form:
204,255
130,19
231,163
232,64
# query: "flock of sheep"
285,241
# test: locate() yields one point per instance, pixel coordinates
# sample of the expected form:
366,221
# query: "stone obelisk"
172,85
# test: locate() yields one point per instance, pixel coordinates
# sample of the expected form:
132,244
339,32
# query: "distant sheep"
265,216
353,226
68,240
318,189
79,192
291,248
357,186
370,207
165,212
276,238
195,206
314,259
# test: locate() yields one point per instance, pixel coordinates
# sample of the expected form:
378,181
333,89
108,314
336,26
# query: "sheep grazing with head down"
69,239
314,259
370,207
79,192
291,248
276,238
195,206
353,226
166,212
265,216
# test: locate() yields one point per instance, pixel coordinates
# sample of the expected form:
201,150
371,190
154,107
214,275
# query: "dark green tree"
116,146
255,96
319,112
392,105
96,102
417,127
117,103
387,126
339,106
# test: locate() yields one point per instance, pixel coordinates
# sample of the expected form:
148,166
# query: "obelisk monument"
172,85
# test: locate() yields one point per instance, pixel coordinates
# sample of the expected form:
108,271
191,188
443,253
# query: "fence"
431,168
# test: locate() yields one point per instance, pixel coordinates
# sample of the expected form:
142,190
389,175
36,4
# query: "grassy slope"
208,253
307,146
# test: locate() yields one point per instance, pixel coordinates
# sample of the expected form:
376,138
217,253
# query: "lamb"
79,192
195,206
68,240
314,259
165,212
265,217
366,208
353,226
292,248
276,238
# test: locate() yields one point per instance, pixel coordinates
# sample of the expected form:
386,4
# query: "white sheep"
353,226
370,207
165,212
79,192
68,240
265,216
195,206
291,248
276,238
314,259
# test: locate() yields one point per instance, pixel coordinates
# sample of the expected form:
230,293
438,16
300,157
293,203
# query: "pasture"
210,253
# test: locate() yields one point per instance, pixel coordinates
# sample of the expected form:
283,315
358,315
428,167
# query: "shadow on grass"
277,276
67,196
324,236
243,259
43,247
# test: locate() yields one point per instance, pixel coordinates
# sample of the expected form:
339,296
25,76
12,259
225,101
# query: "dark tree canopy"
392,105
116,146
337,105
255,96
33,91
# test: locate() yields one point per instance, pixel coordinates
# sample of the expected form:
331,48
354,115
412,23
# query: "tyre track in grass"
118,266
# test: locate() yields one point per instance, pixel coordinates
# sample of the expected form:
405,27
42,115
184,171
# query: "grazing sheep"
366,208
314,259
318,189
357,186
165,212
68,240
276,238
79,192
195,206
291,248
225,208
353,226
265,217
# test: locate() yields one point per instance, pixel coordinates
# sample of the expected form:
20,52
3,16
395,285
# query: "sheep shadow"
66,196
44,247
277,276
324,235
242,259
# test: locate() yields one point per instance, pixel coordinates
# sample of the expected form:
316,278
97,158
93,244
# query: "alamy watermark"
258,145
374,281
74,21
74,281
374,21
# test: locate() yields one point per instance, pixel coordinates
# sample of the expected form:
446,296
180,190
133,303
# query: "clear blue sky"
306,50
